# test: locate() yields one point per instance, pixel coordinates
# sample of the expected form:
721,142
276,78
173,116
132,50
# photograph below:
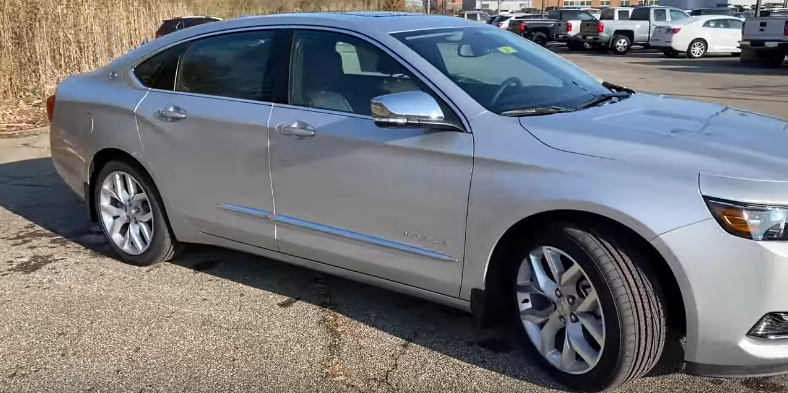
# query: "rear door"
715,32
387,202
207,135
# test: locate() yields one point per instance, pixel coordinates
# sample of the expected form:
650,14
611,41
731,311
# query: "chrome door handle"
297,128
172,113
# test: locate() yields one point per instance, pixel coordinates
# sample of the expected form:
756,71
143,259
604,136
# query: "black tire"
539,38
587,46
571,45
671,53
163,245
699,43
771,60
602,48
632,304
620,45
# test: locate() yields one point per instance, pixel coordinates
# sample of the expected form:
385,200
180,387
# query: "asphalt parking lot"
72,319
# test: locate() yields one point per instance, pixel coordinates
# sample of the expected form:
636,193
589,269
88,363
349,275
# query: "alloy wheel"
698,49
126,213
560,310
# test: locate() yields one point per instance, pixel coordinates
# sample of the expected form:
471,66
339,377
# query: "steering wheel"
505,85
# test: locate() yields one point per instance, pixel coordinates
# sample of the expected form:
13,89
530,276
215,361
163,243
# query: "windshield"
503,71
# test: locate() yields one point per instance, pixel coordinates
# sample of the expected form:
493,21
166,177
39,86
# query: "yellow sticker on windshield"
507,49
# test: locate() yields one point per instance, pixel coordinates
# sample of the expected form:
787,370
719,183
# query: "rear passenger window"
623,15
660,15
639,14
158,72
606,15
735,24
229,65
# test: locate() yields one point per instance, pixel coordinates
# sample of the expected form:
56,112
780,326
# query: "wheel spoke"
527,288
590,303
112,210
554,263
130,186
571,275
568,354
117,224
126,244
139,197
536,316
136,239
546,285
549,331
109,193
581,346
593,325
145,231
120,191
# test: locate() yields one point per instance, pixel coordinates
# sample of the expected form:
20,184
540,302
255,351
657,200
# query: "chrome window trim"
295,222
135,83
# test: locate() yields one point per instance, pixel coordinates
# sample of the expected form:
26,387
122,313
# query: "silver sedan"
455,162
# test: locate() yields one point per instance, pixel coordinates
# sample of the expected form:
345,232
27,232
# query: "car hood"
671,132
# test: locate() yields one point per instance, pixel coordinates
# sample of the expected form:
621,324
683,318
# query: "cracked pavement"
72,319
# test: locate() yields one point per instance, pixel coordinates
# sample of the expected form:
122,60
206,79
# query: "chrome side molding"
294,222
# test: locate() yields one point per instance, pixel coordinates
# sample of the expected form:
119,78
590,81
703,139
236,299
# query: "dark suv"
172,25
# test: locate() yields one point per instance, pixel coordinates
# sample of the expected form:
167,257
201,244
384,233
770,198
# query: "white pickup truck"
765,40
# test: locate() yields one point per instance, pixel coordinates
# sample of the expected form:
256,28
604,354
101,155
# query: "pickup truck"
619,35
765,40
561,25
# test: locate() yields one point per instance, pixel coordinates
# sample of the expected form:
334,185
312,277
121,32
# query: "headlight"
751,221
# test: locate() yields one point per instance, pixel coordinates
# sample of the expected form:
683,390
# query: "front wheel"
620,45
586,308
131,215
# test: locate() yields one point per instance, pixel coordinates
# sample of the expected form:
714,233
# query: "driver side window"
343,73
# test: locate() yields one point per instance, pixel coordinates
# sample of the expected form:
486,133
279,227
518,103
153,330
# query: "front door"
206,136
387,202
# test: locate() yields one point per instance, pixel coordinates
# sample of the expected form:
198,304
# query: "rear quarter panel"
92,112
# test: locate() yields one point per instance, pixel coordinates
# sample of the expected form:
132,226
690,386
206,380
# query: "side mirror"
407,110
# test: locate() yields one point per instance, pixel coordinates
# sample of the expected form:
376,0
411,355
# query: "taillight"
568,27
674,30
522,27
785,29
50,107
600,27
158,35
500,24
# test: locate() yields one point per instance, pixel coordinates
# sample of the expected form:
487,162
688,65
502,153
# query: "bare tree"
395,5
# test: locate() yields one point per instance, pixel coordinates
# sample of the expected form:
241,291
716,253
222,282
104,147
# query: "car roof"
383,22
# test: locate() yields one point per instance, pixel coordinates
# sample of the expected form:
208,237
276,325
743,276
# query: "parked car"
698,36
619,35
455,162
476,16
765,39
540,31
172,25
570,20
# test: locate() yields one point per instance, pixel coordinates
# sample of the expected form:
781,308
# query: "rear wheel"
697,49
771,60
539,38
586,308
620,45
131,215
672,53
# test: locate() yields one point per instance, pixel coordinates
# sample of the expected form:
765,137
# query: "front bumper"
728,284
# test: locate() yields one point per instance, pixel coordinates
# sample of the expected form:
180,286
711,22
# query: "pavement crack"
403,348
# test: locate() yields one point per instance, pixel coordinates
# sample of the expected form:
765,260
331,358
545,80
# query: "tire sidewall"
603,373
539,38
160,243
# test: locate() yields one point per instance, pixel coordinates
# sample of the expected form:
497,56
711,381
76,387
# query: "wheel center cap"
564,308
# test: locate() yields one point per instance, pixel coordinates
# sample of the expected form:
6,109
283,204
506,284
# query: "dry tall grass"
43,41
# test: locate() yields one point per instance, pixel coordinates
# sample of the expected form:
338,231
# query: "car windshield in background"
502,71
